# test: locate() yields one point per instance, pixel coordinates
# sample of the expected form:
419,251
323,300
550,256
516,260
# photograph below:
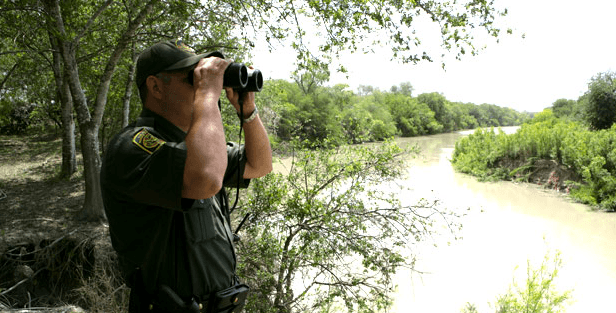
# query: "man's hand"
209,74
248,101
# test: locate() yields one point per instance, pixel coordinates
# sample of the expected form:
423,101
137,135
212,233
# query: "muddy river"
507,225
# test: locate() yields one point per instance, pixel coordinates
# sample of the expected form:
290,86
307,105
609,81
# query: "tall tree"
440,106
92,38
600,101
128,91
38,55
89,116
564,108
404,88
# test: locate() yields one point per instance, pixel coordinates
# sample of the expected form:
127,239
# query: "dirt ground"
44,249
34,201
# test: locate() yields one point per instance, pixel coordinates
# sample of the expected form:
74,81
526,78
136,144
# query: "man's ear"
154,86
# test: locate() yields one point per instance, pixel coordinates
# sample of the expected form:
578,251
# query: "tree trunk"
93,209
129,89
281,297
69,161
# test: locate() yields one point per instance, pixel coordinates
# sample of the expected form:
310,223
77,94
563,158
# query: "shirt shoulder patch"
147,142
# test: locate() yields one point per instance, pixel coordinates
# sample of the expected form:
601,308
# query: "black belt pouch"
229,300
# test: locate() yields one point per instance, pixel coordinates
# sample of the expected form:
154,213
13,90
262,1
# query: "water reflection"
507,224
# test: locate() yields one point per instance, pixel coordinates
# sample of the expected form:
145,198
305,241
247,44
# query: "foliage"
404,88
331,231
310,112
412,117
593,154
568,109
311,117
476,153
536,295
439,105
600,101
15,117
469,308
351,25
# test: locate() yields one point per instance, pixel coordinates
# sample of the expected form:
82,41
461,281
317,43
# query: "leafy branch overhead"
363,24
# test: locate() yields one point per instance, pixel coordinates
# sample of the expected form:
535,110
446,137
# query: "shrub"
536,295
15,117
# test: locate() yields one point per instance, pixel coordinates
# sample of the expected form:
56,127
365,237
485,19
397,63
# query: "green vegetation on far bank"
586,159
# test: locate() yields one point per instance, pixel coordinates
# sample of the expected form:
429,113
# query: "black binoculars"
239,77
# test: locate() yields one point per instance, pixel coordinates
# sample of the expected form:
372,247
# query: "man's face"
177,91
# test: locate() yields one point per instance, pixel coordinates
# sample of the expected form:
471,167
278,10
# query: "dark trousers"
139,302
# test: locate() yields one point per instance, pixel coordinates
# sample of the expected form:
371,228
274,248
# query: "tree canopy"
87,47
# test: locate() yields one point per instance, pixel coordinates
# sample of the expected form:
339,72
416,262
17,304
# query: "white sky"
567,42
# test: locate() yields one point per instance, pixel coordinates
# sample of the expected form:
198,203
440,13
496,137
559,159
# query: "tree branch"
91,20
8,75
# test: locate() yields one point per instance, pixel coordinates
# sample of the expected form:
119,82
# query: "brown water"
507,224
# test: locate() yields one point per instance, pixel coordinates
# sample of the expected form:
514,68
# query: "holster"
169,301
165,300
228,300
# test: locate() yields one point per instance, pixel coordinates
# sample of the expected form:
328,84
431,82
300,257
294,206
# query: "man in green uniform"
162,179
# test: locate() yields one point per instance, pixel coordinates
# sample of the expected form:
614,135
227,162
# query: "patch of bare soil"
49,260
547,173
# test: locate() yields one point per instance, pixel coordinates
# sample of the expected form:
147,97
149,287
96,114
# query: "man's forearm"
258,149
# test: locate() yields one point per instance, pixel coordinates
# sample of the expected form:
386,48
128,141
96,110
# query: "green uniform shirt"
183,243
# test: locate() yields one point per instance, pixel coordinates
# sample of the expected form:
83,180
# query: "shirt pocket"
201,222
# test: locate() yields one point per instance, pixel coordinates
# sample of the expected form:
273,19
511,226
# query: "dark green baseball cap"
167,56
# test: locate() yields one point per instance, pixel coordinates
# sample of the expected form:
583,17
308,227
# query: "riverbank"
556,153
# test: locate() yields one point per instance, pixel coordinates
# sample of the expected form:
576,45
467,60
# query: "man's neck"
172,116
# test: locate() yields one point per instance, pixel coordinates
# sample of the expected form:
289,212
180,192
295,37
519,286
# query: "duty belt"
228,300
